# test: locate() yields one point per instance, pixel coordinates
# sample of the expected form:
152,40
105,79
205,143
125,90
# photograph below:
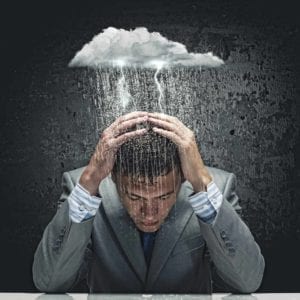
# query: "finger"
164,117
167,125
129,116
127,136
128,124
169,134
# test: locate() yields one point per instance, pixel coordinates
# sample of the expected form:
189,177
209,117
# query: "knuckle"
192,135
109,144
187,145
105,133
184,145
128,135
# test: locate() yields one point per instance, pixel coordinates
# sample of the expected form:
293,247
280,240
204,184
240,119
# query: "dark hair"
147,156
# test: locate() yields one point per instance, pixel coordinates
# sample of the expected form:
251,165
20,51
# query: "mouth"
150,223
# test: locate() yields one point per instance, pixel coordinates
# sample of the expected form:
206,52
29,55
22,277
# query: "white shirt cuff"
207,204
82,205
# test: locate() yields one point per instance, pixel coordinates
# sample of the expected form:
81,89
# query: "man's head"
148,176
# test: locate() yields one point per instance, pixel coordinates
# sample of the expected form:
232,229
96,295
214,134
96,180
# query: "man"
147,216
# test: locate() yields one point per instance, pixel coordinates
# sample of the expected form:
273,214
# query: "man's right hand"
104,157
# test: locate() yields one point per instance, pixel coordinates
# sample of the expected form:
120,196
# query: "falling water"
117,91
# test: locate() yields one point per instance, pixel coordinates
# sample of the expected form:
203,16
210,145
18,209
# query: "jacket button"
56,247
231,251
223,234
228,245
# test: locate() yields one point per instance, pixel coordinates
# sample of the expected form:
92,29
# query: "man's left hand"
191,162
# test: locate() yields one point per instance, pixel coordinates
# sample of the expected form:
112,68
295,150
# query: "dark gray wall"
246,116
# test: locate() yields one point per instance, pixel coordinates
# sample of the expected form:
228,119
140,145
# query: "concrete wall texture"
246,115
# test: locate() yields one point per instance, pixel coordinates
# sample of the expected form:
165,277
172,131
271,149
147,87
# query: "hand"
192,164
104,157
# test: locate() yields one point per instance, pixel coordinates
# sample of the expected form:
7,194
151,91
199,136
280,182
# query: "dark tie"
148,239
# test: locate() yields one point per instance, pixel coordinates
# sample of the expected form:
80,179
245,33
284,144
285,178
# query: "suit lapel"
168,234
123,227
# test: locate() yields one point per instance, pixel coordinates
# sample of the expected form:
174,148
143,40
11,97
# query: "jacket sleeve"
238,264
59,257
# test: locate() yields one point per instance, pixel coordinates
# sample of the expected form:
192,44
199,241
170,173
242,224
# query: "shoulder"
221,177
216,172
75,174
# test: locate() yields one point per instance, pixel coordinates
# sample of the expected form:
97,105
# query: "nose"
149,209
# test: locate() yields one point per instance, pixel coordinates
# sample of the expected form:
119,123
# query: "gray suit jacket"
188,255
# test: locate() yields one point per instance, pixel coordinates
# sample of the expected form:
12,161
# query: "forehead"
164,181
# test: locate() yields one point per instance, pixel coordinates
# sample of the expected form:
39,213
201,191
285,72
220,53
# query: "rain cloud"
140,48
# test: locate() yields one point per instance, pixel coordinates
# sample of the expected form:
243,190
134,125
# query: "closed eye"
134,198
165,197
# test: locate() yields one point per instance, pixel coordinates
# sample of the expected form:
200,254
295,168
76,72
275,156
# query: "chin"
148,228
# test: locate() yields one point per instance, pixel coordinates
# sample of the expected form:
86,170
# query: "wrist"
91,179
202,180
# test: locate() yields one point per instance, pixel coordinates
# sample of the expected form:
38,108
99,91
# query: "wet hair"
146,157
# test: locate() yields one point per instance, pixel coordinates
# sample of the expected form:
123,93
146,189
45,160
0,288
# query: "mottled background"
245,114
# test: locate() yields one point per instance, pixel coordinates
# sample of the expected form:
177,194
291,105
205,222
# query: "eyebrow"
166,194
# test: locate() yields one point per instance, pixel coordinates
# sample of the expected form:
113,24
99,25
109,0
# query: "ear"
114,177
181,176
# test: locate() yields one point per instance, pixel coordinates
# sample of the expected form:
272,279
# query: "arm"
60,254
237,259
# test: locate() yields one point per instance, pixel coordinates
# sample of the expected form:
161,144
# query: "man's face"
148,204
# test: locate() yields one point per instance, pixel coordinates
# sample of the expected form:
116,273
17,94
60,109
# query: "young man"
146,216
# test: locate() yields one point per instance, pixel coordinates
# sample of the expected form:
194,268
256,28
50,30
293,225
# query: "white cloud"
140,48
